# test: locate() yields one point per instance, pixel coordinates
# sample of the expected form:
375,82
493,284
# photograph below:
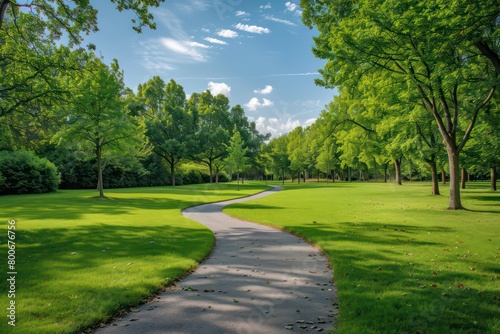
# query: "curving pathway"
256,280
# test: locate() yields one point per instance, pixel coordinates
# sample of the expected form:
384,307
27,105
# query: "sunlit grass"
402,262
80,259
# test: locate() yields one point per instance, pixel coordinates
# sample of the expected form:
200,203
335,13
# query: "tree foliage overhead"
75,17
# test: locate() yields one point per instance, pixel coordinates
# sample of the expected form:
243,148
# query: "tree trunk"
464,177
333,175
349,174
172,173
443,176
100,186
435,182
238,180
210,170
385,172
283,176
397,165
298,177
493,172
305,176
455,200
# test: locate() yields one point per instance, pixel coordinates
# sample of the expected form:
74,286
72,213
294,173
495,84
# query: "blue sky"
258,53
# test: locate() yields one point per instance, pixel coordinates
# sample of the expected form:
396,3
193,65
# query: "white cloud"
240,13
189,49
215,41
290,6
255,104
275,19
205,30
217,88
275,126
227,33
268,6
264,91
253,29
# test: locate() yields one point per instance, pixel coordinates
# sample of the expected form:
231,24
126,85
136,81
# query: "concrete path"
257,280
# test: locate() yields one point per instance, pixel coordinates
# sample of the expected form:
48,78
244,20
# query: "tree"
213,133
154,95
423,44
171,131
59,17
97,122
280,162
236,159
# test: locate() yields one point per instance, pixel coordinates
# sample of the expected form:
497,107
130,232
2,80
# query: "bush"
25,173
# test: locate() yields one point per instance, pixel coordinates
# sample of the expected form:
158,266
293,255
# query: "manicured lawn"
80,259
402,262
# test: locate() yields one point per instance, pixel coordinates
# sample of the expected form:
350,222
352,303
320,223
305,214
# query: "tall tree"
424,44
97,121
171,131
154,95
213,129
236,155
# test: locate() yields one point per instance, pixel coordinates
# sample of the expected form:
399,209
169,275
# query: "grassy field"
80,259
402,262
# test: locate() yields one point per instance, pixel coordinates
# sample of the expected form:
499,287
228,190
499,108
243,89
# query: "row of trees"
56,99
412,74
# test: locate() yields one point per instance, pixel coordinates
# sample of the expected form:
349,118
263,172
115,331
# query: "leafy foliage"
23,172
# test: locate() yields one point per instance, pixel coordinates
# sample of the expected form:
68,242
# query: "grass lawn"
80,259
402,262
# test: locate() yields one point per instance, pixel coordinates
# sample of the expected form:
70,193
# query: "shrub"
25,173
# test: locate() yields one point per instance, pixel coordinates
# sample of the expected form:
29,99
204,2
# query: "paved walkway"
257,280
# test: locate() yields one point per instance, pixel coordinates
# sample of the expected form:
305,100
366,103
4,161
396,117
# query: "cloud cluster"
214,40
252,28
275,126
227,33
217,88
275,19
264,91
290,6
255,104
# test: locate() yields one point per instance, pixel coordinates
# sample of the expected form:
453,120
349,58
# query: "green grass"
80,259
402,262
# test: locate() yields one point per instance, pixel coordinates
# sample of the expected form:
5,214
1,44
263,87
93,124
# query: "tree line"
415,78
67,106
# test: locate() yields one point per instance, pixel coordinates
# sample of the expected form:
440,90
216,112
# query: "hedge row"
23,172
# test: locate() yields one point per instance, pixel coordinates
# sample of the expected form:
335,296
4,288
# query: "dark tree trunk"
210,170
385,172
100,186
397,165
434,173
464,178
443,176
493,173
172,173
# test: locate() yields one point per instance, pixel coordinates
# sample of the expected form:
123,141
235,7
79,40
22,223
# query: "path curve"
256,280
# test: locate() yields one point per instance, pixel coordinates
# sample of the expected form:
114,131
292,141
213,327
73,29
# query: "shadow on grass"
106,267
380,283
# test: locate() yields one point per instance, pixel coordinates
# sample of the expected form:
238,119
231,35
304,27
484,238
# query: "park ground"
402,262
